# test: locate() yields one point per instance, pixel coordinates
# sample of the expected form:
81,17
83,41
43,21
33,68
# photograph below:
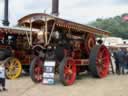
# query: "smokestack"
5,21
55,7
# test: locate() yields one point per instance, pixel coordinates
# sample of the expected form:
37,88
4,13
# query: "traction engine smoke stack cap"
55,7
5,21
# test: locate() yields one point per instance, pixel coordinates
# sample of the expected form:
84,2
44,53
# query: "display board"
49,72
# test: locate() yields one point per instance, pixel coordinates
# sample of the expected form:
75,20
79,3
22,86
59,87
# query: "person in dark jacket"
122,62
126,60
115,55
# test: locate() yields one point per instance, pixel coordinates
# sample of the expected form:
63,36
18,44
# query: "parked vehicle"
71,45
15,43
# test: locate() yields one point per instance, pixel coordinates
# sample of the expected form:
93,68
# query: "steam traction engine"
71,45
15,47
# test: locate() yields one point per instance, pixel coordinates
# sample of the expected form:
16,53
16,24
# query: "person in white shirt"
2,77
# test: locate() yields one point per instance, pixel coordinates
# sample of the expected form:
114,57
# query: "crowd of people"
121,60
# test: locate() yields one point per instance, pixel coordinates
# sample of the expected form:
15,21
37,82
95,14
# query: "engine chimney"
55,7
5,21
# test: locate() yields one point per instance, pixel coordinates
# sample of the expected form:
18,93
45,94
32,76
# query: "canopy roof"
40,18
16,30
119,46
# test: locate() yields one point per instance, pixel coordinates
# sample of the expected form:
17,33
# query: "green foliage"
116,26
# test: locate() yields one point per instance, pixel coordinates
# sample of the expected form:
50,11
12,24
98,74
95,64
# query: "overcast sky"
82,11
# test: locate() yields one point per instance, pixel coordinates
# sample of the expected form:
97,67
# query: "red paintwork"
81,61
38,70
89,43
102,61
70,72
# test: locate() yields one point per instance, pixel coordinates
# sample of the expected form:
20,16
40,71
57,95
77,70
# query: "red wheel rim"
89,43
102,61
70,72
38,69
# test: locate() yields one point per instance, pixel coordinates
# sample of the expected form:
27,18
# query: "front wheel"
67,71
36,69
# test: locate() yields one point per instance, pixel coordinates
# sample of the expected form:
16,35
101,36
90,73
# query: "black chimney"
5,21
55,7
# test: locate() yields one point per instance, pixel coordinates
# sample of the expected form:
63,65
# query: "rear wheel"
99,61
13,68
36,69
67,71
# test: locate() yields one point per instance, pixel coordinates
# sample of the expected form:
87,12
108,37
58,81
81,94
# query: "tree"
116,26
